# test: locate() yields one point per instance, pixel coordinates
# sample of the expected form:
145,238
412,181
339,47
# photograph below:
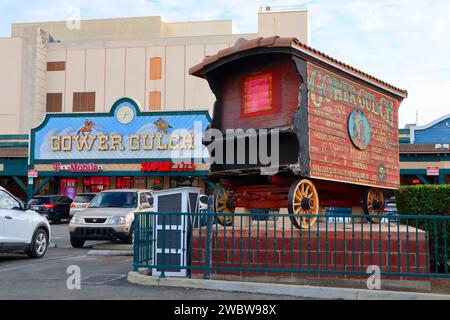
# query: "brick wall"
302,254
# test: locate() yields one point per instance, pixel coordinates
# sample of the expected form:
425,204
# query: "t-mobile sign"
77,167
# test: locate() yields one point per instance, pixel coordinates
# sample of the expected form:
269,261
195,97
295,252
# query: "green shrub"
430,200
423,200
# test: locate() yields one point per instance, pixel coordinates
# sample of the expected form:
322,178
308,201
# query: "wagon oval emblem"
94,220
359,129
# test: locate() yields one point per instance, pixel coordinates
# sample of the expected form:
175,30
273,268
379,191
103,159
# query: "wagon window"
258,93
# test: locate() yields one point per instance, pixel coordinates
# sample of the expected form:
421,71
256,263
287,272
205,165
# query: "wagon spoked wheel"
223,203
373,204
303,198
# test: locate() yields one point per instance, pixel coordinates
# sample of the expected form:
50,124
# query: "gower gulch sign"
331,100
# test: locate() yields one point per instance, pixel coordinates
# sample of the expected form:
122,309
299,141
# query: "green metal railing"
267,243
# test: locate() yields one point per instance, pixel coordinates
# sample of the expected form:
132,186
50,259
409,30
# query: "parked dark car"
55,208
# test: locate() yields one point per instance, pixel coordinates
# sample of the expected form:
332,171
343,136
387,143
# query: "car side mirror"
26,207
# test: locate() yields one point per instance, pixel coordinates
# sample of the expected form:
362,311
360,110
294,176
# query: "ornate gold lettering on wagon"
337,130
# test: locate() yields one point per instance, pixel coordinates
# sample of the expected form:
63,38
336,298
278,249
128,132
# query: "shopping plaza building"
63,83
425,153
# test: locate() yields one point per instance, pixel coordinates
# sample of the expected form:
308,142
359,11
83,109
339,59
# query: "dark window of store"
176,182
68,187
155,183
124,182
83,101
95,184
54,102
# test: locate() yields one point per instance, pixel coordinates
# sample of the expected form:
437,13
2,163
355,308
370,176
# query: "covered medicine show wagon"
337,127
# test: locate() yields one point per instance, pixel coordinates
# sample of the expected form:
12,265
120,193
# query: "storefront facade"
125,148
425,153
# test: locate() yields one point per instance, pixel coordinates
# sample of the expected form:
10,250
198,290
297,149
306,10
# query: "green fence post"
207,273
163,249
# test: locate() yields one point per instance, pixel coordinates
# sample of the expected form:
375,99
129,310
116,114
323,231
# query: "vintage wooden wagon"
337,126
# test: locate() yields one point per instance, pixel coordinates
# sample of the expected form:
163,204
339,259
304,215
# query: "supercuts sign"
167,167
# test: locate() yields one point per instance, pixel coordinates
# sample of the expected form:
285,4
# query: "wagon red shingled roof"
275,41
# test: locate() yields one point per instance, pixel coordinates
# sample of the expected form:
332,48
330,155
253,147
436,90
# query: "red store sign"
77,167
166,167
432,171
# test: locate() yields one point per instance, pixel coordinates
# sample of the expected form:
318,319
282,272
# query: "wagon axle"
307,204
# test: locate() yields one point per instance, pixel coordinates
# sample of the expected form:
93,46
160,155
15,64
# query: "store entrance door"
68,187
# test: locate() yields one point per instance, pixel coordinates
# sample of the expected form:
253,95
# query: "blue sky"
404,42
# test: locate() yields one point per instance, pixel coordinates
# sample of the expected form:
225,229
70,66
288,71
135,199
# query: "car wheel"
39,244
76,242
130,238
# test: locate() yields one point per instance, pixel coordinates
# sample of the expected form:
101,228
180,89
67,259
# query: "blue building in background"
425,153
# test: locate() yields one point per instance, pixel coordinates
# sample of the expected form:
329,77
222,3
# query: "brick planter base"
313,254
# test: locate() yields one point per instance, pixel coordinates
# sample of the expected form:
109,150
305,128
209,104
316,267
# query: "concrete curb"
282,289
112,246
110,253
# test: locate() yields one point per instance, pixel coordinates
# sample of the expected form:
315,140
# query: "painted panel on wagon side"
353,131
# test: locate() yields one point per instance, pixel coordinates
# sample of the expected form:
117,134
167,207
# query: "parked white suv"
20,228
109,216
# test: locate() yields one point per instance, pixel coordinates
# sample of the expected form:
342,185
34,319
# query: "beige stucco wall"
10,84
106,29
285,24
424,165
122,68
136,28
111,57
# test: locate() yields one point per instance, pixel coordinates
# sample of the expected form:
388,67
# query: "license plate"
35,208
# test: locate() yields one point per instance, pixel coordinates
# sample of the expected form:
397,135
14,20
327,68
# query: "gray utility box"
173,231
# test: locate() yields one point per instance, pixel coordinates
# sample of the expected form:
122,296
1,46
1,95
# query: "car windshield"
40,200
114,200
84,198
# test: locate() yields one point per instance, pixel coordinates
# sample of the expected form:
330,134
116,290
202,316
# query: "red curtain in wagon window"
258,93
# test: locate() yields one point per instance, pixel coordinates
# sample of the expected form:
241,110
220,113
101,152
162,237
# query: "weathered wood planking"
285,87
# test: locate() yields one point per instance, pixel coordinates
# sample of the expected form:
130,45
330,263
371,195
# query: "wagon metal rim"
303,199
222,199
374,204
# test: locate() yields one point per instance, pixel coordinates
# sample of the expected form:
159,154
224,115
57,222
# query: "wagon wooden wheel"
223,203
303,199
373,204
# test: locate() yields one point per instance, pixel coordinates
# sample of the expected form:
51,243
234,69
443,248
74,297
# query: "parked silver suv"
109,216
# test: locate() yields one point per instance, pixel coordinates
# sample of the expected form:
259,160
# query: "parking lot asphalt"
102,277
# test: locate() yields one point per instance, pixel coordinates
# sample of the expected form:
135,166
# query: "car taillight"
72,205
49,206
